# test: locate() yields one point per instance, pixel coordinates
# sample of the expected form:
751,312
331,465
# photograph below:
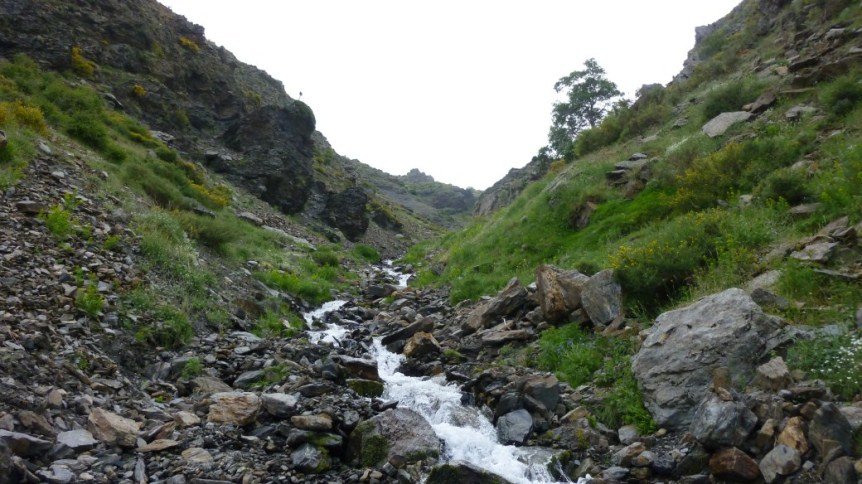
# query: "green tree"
589,95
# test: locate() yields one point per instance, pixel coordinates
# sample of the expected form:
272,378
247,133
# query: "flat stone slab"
719,125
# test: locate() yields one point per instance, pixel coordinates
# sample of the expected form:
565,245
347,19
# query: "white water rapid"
467,434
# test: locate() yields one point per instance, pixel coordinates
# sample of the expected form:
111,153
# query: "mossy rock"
397,433
463,472
366,388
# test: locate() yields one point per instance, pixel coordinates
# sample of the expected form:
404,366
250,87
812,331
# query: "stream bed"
467,434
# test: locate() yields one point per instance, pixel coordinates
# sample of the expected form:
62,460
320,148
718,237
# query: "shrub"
367,253
89,300
87,128
275,325
58,220
112,242
30,117
313,290
215,197
842,95
80,64
139,91
325,257
166,154
190,44
730,97
192,368
213,232
787,185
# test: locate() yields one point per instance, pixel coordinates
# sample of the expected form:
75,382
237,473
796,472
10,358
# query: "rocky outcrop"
399,434
510,186
675,363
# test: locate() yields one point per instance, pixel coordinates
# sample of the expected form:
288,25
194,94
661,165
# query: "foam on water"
388,269
467,434
332,333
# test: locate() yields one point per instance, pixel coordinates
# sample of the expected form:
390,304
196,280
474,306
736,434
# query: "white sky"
462,90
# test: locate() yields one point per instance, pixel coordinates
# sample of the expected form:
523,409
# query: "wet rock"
281,405
773,375
601,298
365,388
316,423
22,444
830,432
236,408
558,291
718,125
423,325
310,459
780,461
543,388
77,440
397,433
463,472
421,345
734,465
514,427
675,363
112,428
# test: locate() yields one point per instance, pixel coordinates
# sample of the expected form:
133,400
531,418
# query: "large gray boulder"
602,298
514,427
463,472
398,433
675,363
718,125
558,292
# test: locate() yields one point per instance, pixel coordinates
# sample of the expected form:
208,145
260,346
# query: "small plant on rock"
90,301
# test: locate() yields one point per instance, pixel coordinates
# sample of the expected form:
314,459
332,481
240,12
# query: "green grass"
366,253
577,357
281,324
58,220
194,367
835,359
89,301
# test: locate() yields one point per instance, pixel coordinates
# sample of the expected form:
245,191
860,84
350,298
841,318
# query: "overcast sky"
461,89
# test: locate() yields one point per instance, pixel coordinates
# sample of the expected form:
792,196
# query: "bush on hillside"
730,97
843,95
788,185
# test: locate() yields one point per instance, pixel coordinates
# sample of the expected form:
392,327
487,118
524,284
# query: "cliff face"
160,68
510,186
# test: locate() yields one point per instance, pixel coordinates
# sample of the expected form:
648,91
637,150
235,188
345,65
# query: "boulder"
840,471
420,345
793,435
22,444
718,423
281,405
732,464
235,408
422,325
197,455
762,103
514,427
310,459
247,379
718,125
830,432
316,423
463,472
780,461
558,292
506,303
358,367
817,252
113,429
602,298
773,375
675,363
186,419
545,389
365,388
397,433
628,434
158,445
207,385
500,338
78,440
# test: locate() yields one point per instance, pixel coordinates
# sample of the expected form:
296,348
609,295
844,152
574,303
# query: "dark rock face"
279,139
346,211
462,472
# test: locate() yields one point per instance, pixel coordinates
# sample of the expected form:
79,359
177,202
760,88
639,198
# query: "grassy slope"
685,234
184,218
